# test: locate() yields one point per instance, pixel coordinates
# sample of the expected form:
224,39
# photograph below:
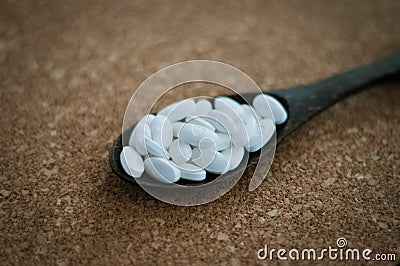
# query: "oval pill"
220,164
155,149
176,128
139,133
250,116
193,134
278,111
180,152
221,121
251,124
203,157
131,162
179,110
235,156
267,129
148,119
124,164
161,170
240,136
192,172
199,121
161,131
203,106
229,107
223,141
207,157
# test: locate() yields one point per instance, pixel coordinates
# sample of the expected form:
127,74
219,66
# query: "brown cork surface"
68,69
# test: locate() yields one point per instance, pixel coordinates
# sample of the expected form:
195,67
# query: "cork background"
68,70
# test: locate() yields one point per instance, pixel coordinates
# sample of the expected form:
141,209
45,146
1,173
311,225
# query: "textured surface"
68,70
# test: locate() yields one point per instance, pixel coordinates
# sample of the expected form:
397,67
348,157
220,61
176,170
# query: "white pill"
229,107
199,121
240,136
221,121
223,141
180,151
202,107
255,143
124,164
176,128
179,110
139,133
155,149
161,170
204,155
148,119
250,116
202,158
193,134
161,131
220,164
131,162
235,156
192,172
208,144
251,123
267,129
210,160
278,111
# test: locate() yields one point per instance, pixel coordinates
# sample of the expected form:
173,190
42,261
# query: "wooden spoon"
301,102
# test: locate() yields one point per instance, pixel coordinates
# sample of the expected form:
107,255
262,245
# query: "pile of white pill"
188,138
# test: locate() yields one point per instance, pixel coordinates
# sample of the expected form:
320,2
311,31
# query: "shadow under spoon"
301,102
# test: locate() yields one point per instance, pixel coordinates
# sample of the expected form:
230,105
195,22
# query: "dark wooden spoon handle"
305,101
